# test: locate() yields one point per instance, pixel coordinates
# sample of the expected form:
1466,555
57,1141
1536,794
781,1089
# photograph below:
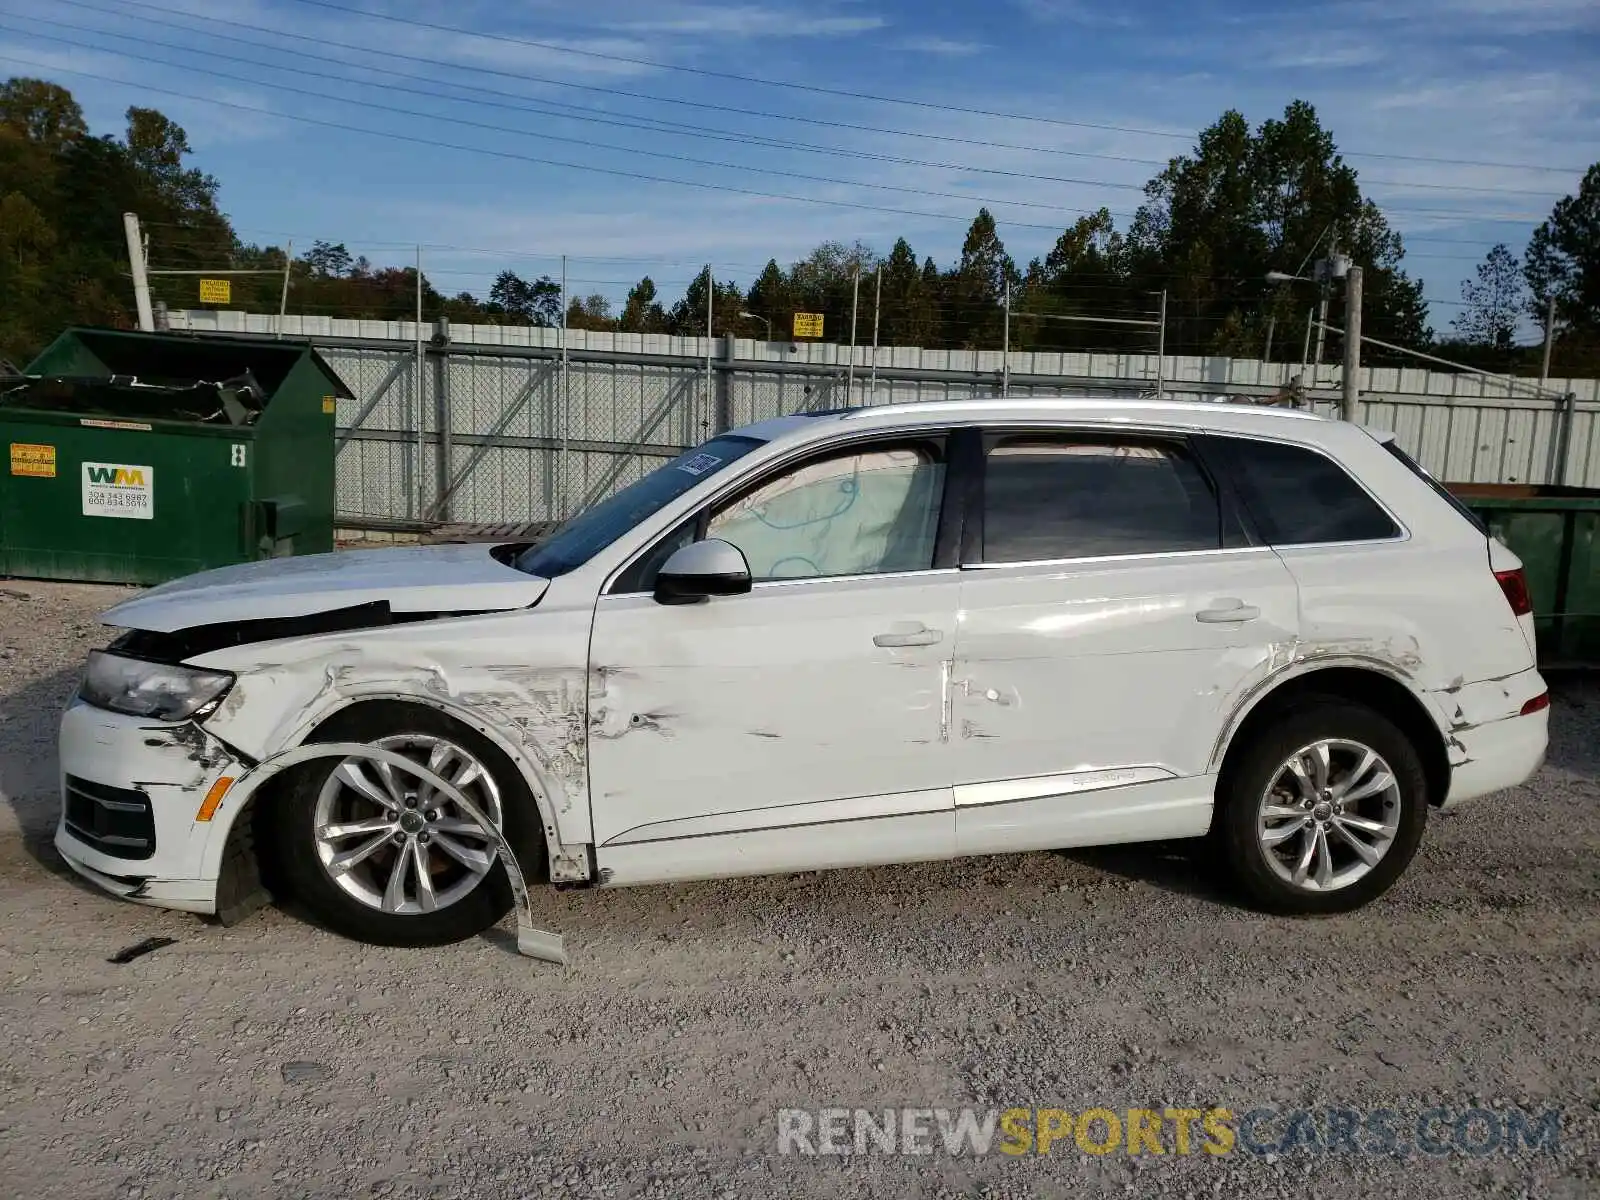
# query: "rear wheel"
1322,810
379,855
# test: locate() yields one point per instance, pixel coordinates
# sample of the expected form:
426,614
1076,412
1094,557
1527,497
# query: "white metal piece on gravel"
535,943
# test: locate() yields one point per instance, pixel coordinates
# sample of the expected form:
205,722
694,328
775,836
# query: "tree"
977,287
1493,301
688,316
642,312
1563,261
1085,274
908,317
772,297
591,312
43,113
328,261
532,302
1246,202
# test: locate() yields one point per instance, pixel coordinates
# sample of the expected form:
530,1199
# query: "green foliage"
1563,263
1243,202
1493,301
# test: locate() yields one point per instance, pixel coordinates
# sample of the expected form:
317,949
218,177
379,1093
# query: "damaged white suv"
878,636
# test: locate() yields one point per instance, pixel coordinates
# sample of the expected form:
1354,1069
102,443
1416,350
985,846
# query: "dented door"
1110,621
804,702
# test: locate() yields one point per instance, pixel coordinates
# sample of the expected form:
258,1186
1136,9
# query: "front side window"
591,531
1056,497
864,511
1298,496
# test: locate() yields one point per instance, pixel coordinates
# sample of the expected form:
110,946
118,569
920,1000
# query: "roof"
1239,418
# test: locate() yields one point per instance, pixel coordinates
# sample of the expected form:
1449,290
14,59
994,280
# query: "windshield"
591,531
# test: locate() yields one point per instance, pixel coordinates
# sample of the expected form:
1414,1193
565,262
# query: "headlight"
150,689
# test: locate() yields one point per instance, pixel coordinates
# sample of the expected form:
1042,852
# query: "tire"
356,902
1244,826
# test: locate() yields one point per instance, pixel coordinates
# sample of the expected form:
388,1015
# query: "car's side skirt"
1150,810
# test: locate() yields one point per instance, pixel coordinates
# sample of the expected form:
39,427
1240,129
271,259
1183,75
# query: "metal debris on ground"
140,949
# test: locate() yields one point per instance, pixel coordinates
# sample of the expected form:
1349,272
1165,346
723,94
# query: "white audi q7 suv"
876,636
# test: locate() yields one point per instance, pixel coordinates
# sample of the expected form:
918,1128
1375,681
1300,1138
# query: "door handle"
1227,612
908,633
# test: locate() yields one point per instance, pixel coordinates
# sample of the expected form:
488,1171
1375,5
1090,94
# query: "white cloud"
943,47
747,21
1091,13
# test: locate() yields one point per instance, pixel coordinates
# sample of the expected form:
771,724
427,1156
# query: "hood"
409,579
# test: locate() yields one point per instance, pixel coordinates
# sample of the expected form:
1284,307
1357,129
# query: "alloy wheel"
390,840
1329,815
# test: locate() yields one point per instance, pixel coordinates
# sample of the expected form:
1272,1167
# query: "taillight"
1538,704
1515,585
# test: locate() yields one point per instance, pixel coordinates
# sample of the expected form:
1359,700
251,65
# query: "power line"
818,89
477,69
630,150
651,124
572,141
614,172
570,111
596,88
812,88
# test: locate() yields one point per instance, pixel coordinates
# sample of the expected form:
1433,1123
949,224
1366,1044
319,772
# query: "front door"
816,699
1113,612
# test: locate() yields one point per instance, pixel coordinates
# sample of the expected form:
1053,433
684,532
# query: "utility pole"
566,396
283,297
711,320
1161,350
850,371
136,263
1352,341
1266,354
1005,345
877,311
418,386
1549,338
1323,276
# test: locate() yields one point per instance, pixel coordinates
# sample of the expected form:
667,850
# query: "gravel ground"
273,1058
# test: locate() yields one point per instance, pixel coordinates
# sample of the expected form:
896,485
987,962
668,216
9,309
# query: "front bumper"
127,760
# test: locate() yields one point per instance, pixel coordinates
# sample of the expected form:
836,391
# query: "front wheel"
377,854
1322,810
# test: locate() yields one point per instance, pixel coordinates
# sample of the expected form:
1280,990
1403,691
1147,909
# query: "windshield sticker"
700,464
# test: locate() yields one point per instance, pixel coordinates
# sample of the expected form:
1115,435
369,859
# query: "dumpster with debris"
139,457
1556,532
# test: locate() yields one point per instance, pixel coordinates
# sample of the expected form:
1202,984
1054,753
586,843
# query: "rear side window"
1050,497
1440,490
1298,496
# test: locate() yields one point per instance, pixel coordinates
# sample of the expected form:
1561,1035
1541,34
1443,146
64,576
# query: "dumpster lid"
236,401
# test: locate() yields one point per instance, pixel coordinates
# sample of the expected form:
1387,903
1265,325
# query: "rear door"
1113,611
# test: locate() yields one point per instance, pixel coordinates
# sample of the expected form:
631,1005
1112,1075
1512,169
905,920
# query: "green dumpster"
140,457
1555,531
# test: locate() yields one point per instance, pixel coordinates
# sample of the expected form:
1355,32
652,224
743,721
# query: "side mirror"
700,570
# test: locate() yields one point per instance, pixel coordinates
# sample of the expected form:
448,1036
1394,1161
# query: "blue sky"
1110,89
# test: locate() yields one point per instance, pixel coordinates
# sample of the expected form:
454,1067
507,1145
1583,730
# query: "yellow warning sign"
808,325
330,405
216,291
28,459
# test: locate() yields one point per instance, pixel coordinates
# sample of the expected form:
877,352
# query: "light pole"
1338,266
758,317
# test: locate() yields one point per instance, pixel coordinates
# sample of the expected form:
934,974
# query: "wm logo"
116,476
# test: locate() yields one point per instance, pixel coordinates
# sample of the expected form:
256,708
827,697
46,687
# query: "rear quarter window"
1299,496
1439,489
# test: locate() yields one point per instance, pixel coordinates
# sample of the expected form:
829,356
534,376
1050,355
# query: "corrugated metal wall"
529,440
